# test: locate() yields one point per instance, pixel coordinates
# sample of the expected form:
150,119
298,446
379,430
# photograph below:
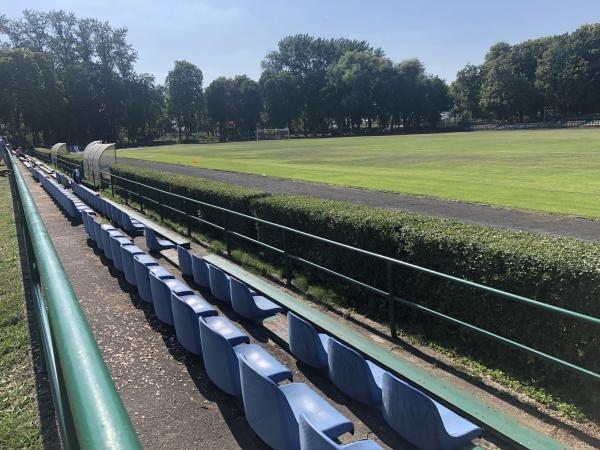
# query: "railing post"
391,302
187,217
227,239
286,260
112,185
162,219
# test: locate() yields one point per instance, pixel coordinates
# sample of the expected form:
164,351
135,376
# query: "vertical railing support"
391,302
162,218
286,261
112,185
188,218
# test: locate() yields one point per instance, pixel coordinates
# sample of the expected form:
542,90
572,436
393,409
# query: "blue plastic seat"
141,265
103,228
314,439
221,360
200,272
187,309
185,261
162,287
131,226
273,411
154,243
354,375
106,235
305,343
421,420
115,250
127,254
248,305
219,284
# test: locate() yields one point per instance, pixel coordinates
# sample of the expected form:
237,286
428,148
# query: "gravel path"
550,224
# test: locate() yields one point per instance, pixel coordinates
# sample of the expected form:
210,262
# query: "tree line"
70,79
536,80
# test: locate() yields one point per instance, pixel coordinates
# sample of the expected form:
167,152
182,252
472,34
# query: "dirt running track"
535,222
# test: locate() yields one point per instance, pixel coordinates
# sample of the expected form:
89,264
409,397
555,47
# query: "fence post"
188,218
391,302
288,268
227,239
112,185
162,218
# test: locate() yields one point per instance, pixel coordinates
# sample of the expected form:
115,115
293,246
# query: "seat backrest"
220,361
186,324
185,261
219,284
311,438
267,410
151,239
304,342
200,271
349,371
410,412
241,298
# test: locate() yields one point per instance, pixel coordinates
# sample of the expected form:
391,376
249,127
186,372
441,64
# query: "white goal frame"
272,134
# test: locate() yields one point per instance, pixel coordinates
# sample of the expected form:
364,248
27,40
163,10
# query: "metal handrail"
393,299
89,409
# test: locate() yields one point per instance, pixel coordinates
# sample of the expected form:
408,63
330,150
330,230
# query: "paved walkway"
550,224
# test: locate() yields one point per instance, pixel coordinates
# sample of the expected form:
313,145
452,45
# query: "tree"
185,98
466,92
282,98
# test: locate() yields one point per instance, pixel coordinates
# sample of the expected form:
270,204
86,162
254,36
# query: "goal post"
271,134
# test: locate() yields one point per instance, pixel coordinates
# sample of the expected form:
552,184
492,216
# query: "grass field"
554,171
19,426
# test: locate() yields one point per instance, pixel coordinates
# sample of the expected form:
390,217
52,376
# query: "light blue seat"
185,261
421,420
305,343
99,239
221,360
354,375
154,243
106,235
219,284
127,254
131,226
115,250
273,411
162,287
187,309
96,236
248,305
200,272
141,265
314,439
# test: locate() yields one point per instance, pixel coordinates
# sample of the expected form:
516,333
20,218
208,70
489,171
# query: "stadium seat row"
122,219
415,416
69,202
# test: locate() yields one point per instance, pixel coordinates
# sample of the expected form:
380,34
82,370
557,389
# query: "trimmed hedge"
562,272
219,194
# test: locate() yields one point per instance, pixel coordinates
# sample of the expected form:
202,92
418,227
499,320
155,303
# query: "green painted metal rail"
118,183
90,412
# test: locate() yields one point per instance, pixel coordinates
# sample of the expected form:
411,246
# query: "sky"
231,37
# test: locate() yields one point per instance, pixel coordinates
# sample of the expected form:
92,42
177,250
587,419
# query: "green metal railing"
117,184
89,410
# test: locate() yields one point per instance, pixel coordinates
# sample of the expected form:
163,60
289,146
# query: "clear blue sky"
229,37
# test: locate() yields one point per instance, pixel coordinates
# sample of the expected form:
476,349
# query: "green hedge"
215,193
560,272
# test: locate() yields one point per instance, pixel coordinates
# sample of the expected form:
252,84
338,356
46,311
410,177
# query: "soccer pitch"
555,171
